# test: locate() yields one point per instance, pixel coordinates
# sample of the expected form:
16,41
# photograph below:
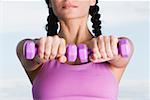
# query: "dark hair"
52,20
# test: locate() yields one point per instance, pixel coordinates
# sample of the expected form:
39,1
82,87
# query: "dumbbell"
73,51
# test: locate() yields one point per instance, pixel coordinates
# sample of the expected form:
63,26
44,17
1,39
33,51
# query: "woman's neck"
75,30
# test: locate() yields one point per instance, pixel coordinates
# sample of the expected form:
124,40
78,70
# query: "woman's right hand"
50,48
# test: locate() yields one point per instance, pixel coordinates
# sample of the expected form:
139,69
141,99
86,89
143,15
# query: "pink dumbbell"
72,51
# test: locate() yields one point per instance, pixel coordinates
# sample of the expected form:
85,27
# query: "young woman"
55,78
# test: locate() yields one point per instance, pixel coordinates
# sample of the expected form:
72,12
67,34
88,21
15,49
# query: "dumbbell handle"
30,50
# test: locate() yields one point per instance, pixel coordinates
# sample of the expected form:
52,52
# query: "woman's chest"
63,82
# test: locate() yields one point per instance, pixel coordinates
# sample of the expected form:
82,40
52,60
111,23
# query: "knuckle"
115,53
100,47
61,53
95,44
112,36
108,50
116,39
95,50
98,40
100,37
99,55
48,48
109,53
102,51
41,55
61,50
63,40
53,55
64,51
49,38
46,54
56,37
56,41
106,37
40,51
42,39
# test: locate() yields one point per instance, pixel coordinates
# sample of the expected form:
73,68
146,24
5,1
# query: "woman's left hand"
104,48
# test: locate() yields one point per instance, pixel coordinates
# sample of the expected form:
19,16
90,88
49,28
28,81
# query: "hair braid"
95,19
52,20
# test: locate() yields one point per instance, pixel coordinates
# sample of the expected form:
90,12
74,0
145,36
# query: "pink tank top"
60,81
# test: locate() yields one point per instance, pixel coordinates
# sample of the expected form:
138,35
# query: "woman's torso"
58,81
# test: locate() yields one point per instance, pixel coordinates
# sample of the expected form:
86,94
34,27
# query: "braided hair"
52,20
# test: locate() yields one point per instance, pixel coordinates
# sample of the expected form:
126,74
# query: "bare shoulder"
122,62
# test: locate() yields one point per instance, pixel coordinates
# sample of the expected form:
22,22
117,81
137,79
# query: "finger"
62,47
48,47
102,47
62,59
92,58
38,60
96,53
114,42
54,49
41,47
108,47
102,60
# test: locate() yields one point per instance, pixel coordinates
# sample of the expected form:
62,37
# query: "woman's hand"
50,48
104,48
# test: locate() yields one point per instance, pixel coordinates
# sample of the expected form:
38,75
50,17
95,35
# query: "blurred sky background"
20,19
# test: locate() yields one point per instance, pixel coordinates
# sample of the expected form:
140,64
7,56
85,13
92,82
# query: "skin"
74,29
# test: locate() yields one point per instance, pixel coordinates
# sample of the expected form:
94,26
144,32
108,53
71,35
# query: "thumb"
62,59
38,60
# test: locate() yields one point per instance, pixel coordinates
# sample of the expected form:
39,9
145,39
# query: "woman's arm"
105,49
49,48
118,64
31,66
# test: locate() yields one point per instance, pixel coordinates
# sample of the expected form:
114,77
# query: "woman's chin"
66,17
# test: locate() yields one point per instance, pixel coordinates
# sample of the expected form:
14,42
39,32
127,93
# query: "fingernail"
94,56
51,57
58,55
41,56
45,58
104,57
62,59
91,58
110,55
